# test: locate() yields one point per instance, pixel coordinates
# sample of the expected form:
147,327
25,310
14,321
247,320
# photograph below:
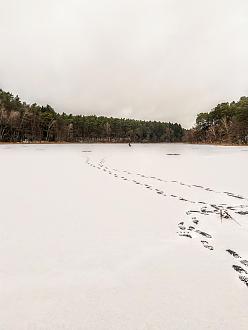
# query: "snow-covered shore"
112,237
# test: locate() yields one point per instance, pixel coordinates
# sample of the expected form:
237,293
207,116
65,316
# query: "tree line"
227,123
34,123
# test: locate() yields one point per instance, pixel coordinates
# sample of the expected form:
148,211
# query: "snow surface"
100,237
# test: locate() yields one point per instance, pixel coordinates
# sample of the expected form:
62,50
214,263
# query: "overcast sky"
160,59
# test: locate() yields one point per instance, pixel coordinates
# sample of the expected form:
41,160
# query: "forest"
227,123
21,122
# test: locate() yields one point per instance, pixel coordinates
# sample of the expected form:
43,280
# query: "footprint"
224,214
244,262
203,233
207,246
215,207
232,208
244,279
239,269
237,256
235,196
233,253
184,234
181,226
159,192
242,212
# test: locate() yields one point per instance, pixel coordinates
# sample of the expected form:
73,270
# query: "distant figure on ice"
129,143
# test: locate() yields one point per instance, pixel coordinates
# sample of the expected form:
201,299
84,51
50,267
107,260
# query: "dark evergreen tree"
226,123
22,122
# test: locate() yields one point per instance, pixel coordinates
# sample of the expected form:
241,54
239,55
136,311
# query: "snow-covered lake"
105,237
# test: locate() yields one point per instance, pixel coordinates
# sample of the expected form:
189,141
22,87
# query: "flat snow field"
105,237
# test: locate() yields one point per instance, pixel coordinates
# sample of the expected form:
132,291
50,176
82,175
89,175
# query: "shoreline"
64,142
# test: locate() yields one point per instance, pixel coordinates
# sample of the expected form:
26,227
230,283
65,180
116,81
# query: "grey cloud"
163,60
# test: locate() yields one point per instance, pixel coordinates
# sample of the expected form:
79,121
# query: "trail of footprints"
191,230
242,272
223,210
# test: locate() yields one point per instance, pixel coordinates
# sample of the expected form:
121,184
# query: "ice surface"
112,237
